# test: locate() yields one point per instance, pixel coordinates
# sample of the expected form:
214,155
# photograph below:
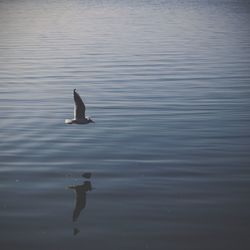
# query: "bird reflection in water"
81,195
80,199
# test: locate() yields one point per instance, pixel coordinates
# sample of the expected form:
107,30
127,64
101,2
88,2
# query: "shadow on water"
80,198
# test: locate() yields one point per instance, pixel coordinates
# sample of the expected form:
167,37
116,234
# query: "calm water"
168,85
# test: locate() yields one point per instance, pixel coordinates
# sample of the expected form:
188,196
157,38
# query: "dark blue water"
168,85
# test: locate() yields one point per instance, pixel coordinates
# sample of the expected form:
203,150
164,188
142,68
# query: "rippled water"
168,85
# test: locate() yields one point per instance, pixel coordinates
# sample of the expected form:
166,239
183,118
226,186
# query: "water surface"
168,85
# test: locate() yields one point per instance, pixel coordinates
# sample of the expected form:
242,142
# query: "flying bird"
79,111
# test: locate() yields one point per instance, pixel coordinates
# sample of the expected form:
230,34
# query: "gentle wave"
167,83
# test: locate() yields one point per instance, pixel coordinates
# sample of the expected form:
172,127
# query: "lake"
166,165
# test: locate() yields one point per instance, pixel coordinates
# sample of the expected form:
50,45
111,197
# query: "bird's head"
90,120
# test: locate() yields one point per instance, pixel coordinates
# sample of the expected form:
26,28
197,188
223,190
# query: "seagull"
79,111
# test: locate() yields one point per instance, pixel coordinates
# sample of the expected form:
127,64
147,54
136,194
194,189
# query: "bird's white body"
79,111
79,121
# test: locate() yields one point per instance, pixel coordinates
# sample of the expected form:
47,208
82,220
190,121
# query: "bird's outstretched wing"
79,108
80,200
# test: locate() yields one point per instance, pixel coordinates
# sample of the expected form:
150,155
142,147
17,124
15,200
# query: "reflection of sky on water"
167,83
